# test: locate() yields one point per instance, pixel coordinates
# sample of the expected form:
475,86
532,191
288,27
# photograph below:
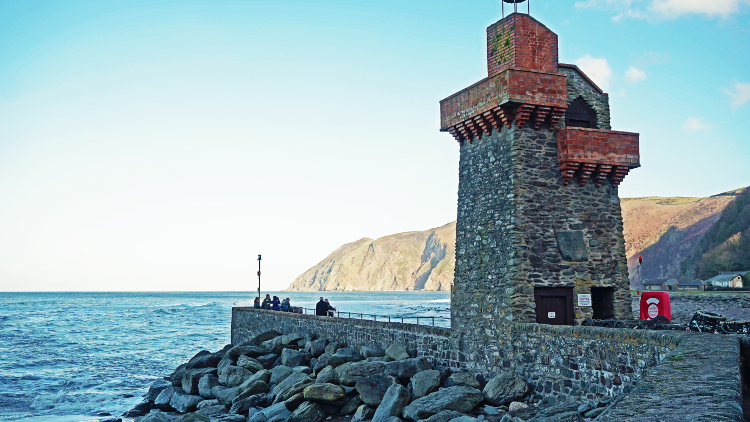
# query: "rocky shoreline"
300,378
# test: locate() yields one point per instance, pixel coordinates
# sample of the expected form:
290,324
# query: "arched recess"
579,114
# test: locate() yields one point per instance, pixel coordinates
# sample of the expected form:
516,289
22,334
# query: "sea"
68,357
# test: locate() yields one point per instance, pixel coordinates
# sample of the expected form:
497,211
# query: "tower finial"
515,6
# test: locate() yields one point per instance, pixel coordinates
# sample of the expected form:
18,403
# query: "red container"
655,303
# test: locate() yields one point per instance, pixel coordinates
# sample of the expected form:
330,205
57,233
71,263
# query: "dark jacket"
321,308
266,303
275,303
256,304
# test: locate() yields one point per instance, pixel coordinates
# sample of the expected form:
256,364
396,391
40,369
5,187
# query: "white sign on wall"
584,300
550,315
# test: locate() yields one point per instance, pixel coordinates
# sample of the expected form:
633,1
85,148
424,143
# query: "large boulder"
275,345
184,403
321,363
444,416
264,375
318,347
249,363
225,361
327,375
176,377
246,349
361,370
307,412
505,388
304,369
156,417
331,348
206,384
156,388
406,368
215,410
227,396
241,405
276,413
425,382
459,398
371,352
193,417
344,355
192,377
351,406
462,378
162,400
233,376
280,373
209,360
363,413
372,389
293,384
397,351
341,369
292,403
324,393
393,402
227,418
293,339
268,335
267,360
292,358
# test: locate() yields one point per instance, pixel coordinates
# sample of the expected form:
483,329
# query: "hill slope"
667,232
422,260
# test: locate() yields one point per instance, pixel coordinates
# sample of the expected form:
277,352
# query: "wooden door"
554,306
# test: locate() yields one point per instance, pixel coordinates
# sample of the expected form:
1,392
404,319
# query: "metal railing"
383,318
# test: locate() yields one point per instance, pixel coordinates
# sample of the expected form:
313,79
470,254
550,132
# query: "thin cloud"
695,124
597,69
675,8
740,94
634,75
670,9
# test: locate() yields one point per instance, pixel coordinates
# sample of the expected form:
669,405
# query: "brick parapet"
519,41
596,154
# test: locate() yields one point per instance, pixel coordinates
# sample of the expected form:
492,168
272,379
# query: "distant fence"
432,321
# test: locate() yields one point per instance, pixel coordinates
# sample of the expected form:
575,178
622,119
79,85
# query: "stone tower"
539,221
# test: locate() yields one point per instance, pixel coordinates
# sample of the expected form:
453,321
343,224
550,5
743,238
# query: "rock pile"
300,378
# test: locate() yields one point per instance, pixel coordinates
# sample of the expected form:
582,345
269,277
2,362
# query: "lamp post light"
258,277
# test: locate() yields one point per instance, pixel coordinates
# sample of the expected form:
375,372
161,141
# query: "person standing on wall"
321,308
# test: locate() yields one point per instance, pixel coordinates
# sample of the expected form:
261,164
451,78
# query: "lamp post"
259,277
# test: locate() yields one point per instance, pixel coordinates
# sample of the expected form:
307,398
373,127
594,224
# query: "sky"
162,145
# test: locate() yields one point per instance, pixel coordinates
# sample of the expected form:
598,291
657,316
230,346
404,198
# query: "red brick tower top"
520,42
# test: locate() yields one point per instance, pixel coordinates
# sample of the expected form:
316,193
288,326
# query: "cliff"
422,260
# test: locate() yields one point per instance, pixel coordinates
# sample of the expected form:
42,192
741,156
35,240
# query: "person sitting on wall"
256,303
275,303
330,308
285,306
321,308
266,302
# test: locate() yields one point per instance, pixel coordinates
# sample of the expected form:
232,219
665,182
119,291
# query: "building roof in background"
651,281
725,276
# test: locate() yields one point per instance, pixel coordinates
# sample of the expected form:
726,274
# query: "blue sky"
162,145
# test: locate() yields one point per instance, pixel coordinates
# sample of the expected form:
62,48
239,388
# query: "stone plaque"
571,245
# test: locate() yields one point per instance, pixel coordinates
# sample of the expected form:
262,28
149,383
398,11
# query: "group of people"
323,308
273,304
